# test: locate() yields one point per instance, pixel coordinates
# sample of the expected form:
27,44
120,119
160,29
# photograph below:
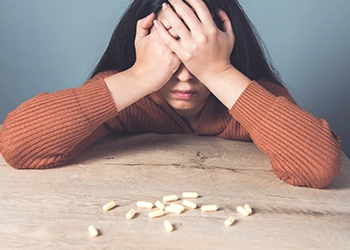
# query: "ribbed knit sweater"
52,128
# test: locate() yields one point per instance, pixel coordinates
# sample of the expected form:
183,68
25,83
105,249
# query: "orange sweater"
52,128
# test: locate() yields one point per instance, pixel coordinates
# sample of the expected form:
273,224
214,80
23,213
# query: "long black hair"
248,55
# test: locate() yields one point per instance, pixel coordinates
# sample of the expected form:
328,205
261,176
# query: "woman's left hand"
201,46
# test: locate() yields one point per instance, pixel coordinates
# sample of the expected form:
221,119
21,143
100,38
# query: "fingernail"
164,6
155,23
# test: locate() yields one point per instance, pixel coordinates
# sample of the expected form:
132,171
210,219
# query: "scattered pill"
190,195
155,214
168,226
242,211
229,221
248,208
169,198
144,204
174,205
130,214
189,204
209,208
93,231
159,205
108,206
173,210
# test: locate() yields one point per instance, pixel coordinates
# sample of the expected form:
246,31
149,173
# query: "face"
183,92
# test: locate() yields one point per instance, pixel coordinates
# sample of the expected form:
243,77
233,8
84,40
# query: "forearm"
127,87
228,85
46,130
302,148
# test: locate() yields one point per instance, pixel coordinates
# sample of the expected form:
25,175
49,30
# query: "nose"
183,74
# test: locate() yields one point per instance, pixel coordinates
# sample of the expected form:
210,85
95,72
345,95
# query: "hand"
155,62
202,47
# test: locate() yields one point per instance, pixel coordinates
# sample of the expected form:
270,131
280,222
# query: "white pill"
209,208
155,214
242,211
173,210
169,198
174,205
189,204
144,204
92,231
168,226
159,205
130,214
229,221
190,195
248,208
108,206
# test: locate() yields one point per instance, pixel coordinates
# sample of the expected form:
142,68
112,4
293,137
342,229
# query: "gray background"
48,45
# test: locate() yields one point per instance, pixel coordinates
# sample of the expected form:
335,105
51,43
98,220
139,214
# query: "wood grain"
52,209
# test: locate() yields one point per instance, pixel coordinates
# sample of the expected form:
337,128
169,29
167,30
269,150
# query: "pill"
92,231
189,204
144,204
155,214
159,205
174,205
248,208
169,198
242,211
168,226
189,195
209,208
173,210
229,221
108,206
130,214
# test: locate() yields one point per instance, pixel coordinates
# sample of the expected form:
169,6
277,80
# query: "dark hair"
248,55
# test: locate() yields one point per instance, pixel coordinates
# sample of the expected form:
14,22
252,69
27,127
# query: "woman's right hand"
155,62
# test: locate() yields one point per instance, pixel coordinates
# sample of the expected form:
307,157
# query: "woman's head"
247,56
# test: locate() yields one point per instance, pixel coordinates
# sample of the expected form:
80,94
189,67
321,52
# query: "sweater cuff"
95,102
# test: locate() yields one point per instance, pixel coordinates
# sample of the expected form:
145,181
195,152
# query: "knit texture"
52,128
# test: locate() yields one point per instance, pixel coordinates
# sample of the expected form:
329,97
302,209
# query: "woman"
191,67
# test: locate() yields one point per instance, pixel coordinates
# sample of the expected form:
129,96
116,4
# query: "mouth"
183,95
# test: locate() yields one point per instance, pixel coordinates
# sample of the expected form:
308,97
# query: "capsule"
229,221
144,204
209,208
130,214
189,204
93,231
170,198
156,214
168,226
248,208
174,205
173,210
159,205
189,195
108,206
242,211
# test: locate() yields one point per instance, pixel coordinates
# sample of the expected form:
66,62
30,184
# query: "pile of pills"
174,208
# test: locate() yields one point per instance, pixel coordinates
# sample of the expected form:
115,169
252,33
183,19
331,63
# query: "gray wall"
47,45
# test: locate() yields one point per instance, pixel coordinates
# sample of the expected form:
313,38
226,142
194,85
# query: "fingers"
143,25
166,37
198,7
175,22
226,23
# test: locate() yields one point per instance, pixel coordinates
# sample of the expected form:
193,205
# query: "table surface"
52,209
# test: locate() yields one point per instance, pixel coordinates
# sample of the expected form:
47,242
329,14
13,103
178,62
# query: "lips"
183,95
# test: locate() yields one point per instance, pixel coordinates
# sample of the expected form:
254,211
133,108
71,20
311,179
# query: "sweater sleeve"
302,148
52,128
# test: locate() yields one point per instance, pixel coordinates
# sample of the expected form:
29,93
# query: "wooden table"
52,209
